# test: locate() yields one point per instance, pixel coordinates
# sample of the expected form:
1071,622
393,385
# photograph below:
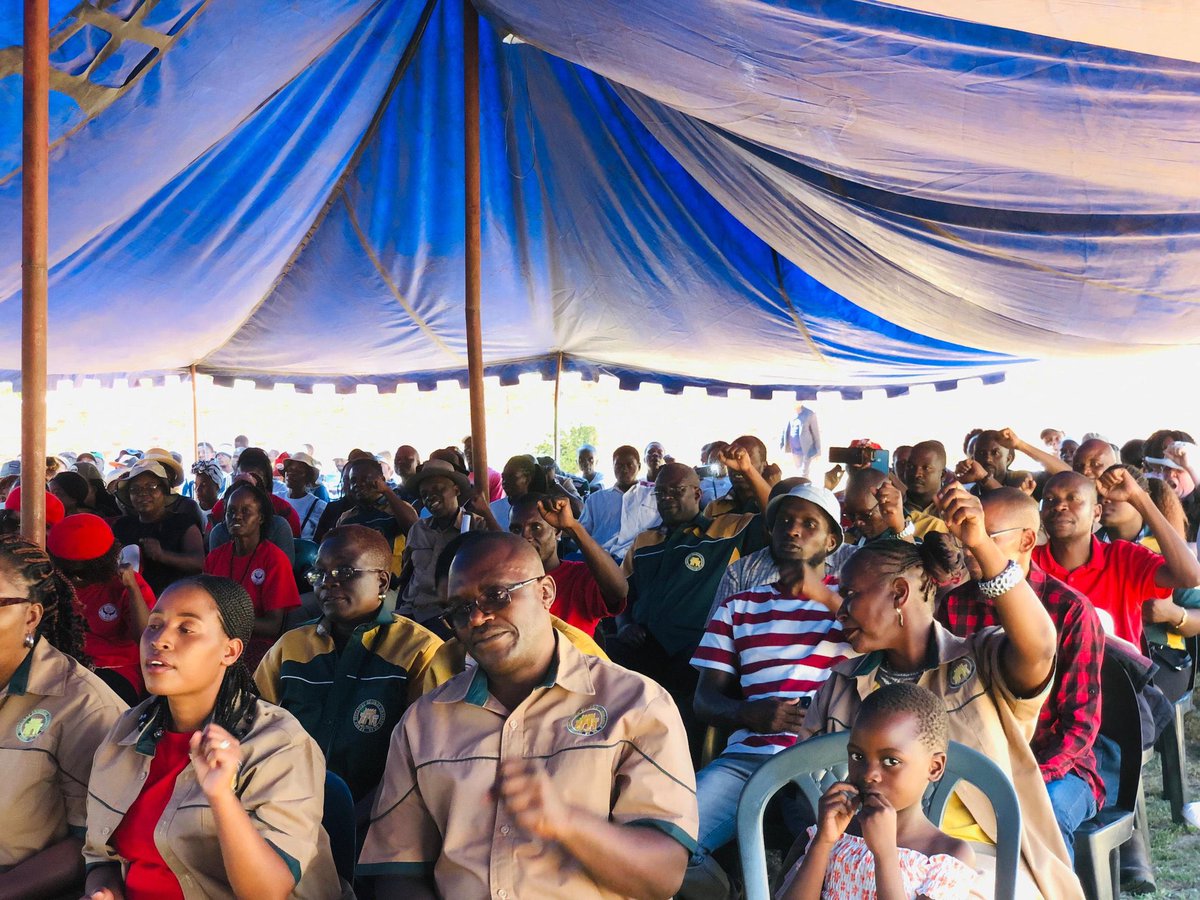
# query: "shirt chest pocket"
189,834
30,781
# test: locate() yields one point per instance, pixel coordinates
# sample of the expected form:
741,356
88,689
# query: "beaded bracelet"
1002,583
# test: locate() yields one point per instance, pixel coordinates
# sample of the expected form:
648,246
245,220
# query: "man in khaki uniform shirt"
538,773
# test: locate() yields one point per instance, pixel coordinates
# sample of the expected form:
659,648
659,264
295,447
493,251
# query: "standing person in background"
589,480
802,439
602,509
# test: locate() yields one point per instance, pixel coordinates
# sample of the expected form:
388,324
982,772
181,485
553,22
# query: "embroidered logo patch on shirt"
694,562
369,716
108,613
258,576
588,721
960,671
33,725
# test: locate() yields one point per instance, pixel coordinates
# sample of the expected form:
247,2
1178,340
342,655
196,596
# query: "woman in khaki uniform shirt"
54,712
994,682
242,814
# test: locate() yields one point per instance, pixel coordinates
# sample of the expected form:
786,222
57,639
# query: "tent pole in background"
557,383
195,417
473,243
35,203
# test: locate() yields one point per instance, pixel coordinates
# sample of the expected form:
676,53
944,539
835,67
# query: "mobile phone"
131,555
853,456
881,460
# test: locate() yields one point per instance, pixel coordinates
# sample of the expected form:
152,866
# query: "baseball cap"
813,494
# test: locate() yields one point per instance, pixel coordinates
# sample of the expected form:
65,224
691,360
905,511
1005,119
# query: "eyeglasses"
338,575
995,534
865,516
13,601
489,603
143,490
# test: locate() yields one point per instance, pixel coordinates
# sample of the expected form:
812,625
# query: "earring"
30,640
900,616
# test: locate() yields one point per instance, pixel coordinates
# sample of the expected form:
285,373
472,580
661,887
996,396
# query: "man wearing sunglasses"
1069,722
539,772
349,676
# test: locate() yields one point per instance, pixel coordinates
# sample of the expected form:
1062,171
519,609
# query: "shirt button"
502,894
512,724
504,829
105,830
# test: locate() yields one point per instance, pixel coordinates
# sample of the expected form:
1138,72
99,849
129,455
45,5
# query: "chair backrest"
339,823
1121,720
815,764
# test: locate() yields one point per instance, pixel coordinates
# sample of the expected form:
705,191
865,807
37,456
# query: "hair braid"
939,558
238,694
61,624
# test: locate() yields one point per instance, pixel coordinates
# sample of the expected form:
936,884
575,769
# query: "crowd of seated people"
259,681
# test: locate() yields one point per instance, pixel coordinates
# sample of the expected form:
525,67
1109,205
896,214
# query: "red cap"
80,537
55,511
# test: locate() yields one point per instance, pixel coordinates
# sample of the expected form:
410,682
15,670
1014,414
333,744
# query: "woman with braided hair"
204,789
54,713
994,681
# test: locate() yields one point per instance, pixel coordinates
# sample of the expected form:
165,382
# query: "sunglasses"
338,575
489,603
13,601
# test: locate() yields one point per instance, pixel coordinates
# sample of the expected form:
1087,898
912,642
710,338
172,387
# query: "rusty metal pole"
473,243
195,417
35,202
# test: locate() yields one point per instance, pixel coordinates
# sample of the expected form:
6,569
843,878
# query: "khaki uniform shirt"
281,784
53,715
421,550
432,814
984,714
451,658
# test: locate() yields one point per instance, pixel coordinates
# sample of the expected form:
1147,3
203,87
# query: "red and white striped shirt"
777,646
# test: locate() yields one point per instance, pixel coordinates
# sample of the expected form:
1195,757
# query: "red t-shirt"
1118,578
105,609
148,876
267,577
577,598
282,508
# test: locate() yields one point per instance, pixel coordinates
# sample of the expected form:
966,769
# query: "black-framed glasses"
671,493
338,574
144,490
13,601
489,603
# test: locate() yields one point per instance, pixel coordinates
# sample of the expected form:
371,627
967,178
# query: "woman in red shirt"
114,599
257,565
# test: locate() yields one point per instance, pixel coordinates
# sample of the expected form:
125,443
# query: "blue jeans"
1074,803
718,788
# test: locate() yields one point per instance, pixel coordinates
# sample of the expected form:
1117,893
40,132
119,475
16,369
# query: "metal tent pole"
35,202
473,243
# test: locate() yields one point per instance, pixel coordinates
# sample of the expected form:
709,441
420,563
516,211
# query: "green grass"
1175,849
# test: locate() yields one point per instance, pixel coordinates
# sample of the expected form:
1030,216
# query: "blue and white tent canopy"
718,193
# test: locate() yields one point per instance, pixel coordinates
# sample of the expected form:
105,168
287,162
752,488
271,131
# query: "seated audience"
349,676
444,492
1069,720
255,461
260,567
114,600
922,479
872,837
584,592
377,506
888,589
54,713
521,475
204,789
301,475
764,653
1118,577
745,460
588,481
172,546
616,816
602,509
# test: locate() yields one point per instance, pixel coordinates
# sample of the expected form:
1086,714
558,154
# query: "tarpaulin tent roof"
715,193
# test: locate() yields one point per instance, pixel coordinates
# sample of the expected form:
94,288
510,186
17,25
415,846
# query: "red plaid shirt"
1070,719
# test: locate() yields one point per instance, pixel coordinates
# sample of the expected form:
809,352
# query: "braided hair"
939,559
61,624
266,511
238,695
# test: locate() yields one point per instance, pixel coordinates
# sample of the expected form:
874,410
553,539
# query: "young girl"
204,790
872,839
